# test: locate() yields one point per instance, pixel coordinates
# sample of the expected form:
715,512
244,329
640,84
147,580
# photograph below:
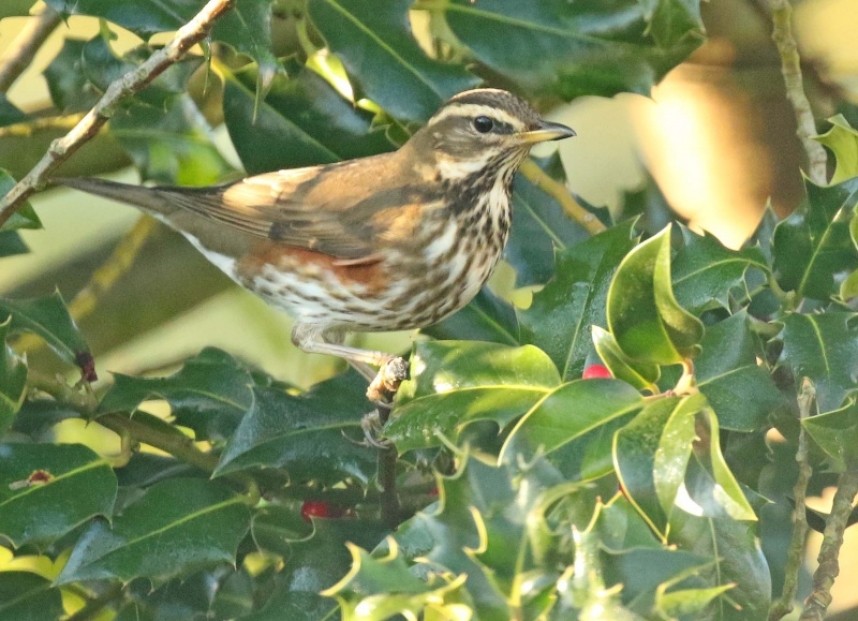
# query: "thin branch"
20,53
791,70
561,194
389,498
795,556
829,566
135,80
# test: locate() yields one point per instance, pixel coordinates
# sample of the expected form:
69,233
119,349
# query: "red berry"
595,371
320,509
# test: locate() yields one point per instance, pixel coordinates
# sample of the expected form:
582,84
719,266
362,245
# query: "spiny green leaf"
641,375
303,434
13,380
836,432
23,218
705,272
303,121
571,411
823,348
25,596
49,318
812,247
177,526
740,391
643,314
210,394
842,139
454,383
46,490
575,49
486,318
560,317
378,50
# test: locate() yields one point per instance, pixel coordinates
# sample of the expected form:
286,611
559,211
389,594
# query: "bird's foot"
385,384
372,425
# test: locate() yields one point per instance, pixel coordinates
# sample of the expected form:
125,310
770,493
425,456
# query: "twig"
561,194
795,556
20,53
186,37
791,71
819,599
389,497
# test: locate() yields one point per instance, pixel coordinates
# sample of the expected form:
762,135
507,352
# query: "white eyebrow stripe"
475,110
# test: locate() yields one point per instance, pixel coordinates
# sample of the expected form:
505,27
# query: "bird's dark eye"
483,124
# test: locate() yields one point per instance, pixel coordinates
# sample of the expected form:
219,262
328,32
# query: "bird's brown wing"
329,209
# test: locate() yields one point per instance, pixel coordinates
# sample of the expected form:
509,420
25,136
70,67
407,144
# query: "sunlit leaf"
842,139
836,432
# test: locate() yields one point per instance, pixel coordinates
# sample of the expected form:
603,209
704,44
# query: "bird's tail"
153,200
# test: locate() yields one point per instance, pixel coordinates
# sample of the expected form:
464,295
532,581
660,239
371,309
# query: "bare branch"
61,149
20,53
791,70
819,599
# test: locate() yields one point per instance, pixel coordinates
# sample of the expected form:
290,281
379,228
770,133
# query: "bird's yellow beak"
546,131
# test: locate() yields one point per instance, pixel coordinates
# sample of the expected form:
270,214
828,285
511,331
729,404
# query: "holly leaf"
25,596
647,322
486,318
740,391
23,218
641,375
49,318
705,272
381,54
46,490
312,435
303,121
561,314
13,380
577,49
812,247
823,348
202,519
836,433
455,383
842,139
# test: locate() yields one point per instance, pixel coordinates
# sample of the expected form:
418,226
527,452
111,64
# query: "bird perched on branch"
388,242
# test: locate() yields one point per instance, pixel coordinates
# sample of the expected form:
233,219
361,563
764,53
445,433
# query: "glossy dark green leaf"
641,375
740,391
652,456
836,433
842,139
9,113
25,596
559,319
23,218
49,318
67,80
540,228
379,51
705,272
170,144
486,318
812,247
579,48
454,383
247,29
303,121
13,380
823,348
643,315
304,434
11,244
210,394
179,525
296,606
571,411
738,562
46,490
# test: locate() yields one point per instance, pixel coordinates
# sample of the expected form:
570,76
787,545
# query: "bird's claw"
371,425
391,374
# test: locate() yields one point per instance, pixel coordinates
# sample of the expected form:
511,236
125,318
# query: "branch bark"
791,70
20,54
61,149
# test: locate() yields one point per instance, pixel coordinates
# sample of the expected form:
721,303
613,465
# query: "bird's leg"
383,384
